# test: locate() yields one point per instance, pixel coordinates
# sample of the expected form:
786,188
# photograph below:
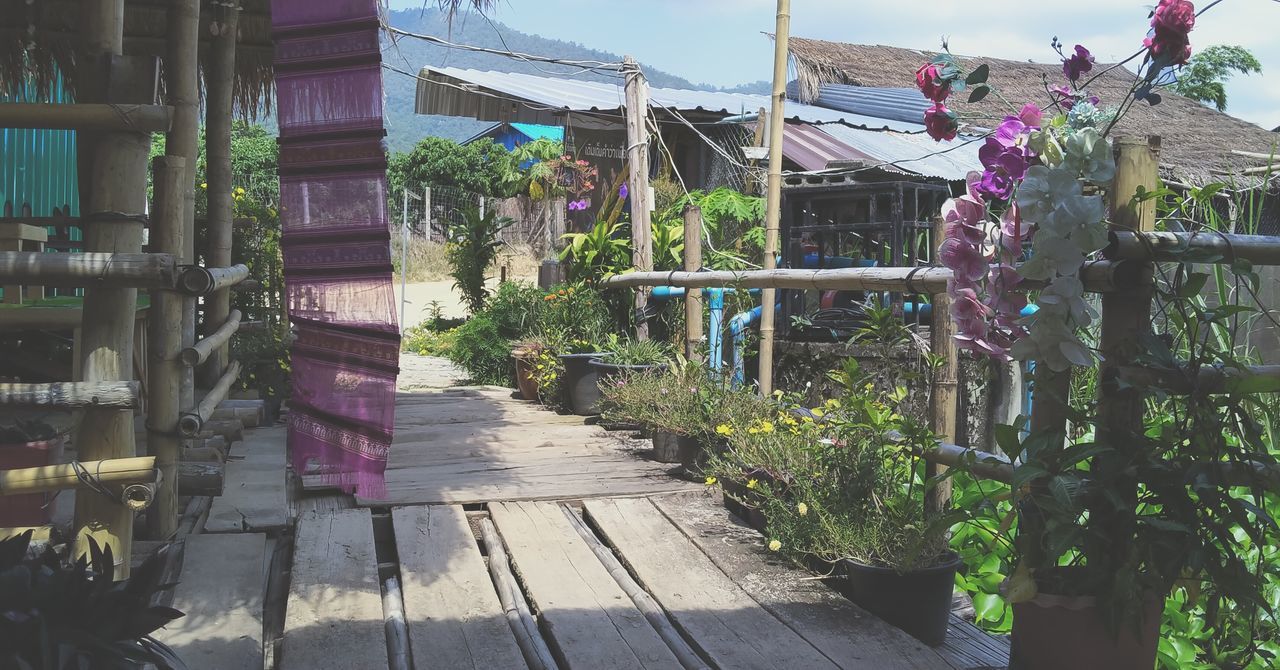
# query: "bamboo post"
115,204
945,391
164,340
116,395
182,93
773,195
637,108
692,299
90,269
219,86
202,350
1126,315
49,478
191,424
86,117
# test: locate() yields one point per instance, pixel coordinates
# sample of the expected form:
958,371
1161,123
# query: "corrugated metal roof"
913,152
509,96
897,104
812,149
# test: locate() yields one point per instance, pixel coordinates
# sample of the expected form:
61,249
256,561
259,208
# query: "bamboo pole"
519,618
219,85
117,182
181,91
197,280
90,269
692,299
191,424
200,351
164,341
773,195
1125,317
1198,247
1098,276
637,109
945,382
114,395
87,117
49,478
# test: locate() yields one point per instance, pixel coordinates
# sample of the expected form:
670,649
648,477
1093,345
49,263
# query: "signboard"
603,143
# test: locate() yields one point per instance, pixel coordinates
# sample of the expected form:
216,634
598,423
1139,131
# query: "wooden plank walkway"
452,612
334,616
221,594
480,445
732,602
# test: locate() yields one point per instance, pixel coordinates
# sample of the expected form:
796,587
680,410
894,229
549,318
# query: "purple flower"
577,205
1005,160
1079,63
1067,98
622,192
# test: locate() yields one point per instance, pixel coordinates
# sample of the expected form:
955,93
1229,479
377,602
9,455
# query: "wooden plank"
408,490
254,491
719,618
831,623
118,395
589,621
450,606
220,589
334,614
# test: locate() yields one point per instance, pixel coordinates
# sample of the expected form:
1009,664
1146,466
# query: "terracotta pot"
1052,632
917,601
525,380
29,509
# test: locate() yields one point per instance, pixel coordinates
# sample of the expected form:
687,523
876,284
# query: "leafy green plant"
668,245
472,248
682,399
481,350
60,614
596,254
424,340
635,352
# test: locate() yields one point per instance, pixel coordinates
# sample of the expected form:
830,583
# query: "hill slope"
405,128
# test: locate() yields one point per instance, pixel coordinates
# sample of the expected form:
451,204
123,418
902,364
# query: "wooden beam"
200,351
692,299
92,117
197,280
49,478
1198,247
149,271
116,395
945,393
773,191
636,90
190,424
200,478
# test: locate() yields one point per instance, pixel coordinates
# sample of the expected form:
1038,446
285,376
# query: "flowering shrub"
1040,190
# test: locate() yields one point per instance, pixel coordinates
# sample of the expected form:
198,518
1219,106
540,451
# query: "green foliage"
635,352
682,399
481,350
515,308
481,167
72,614
424,340
730,220
597,254
1205,74
472,247
668,245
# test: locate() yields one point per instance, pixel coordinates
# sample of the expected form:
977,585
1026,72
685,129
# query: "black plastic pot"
581,383
672,448
918,602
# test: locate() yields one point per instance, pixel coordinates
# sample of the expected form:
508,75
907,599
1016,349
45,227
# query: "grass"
426,260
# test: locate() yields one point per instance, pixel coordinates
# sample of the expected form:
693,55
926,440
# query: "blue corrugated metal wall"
38,167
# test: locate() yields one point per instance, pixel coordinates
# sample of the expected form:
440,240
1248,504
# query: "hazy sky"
720,41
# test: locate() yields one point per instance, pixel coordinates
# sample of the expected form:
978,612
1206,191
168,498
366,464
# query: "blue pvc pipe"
738,326
715,313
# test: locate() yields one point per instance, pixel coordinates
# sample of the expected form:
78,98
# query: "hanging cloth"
336,241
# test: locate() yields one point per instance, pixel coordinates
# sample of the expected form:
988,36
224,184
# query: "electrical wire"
591,65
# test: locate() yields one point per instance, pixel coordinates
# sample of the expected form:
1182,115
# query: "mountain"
405,128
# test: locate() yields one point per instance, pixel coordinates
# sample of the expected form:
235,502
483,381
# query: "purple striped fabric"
337,256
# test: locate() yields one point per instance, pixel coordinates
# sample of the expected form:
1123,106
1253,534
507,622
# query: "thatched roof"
38,39
1196,140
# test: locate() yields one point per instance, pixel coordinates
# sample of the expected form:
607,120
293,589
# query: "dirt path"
419,296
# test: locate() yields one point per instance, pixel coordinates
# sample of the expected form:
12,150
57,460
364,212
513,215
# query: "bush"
472,248
515,308
481,350
424,340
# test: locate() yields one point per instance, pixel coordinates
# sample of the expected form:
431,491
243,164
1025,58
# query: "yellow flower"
807,419
711,481
817,411
869,386
832,403
789,420
204,185
766,426
802,508
774,545
752,483
724,429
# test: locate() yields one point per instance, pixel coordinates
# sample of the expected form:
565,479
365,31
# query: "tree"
1202,79
480,167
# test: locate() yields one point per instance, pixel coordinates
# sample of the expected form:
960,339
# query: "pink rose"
1171,22
932,86
940,123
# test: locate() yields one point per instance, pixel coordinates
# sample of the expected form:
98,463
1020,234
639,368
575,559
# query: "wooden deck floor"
618,565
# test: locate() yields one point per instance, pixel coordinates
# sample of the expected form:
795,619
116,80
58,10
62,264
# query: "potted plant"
28,444
581,378
630,356
663,402
57,613
526,355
